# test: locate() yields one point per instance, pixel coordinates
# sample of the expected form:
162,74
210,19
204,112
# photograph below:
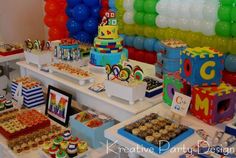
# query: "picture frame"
58,105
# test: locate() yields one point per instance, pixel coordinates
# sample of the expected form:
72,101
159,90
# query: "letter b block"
202,66
213,104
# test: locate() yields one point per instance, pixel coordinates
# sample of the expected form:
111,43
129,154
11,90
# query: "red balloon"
150,58
61,21
55,33
139,55
52,8
103,11
49,20
131,51
105,3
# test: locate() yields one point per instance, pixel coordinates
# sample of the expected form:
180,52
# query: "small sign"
18,95
180,104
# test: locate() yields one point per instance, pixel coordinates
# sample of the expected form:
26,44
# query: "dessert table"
116,108
163,110
6,59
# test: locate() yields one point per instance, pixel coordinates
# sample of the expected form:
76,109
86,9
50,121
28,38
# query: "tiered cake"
108,46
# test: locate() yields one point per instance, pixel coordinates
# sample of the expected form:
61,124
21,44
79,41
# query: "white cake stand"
96,69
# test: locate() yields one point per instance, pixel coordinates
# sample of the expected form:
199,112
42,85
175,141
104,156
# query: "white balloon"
129,17
195,25
184,9
161,21
209,28
162,7
174,8
196,9
172,22
128,5
183,24
210,10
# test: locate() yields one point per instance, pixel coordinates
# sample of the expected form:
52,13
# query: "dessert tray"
75,73
156,132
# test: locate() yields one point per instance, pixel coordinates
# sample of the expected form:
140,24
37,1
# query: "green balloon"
138,5
150,6
224,13
223,28
150,19
226,2
233,14
139,18
233,29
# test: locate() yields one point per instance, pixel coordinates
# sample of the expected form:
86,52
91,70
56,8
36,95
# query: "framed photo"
58,106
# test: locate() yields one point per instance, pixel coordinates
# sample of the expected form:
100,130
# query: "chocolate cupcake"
156,128
129,128
143,135
8,104
150,131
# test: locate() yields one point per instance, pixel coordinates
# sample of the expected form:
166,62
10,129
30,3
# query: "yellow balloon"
159,34
222,44
139,29
233,46
119,4
129,29
149,31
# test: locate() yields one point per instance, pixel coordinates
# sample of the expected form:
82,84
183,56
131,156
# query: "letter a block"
173,83
213,104
202,66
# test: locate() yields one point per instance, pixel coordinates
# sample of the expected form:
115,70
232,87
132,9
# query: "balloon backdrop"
55,19
84,18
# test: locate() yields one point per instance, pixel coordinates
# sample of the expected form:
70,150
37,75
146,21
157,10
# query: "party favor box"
94,136
32,96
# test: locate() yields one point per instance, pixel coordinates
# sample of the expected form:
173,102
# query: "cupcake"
53,150
149,139
150,131
67,135
129,128
46,146
58,140
61,154
64,145
135,131
74,140
142,128
148,125
82,146
8,104
17,149
156,135
72,150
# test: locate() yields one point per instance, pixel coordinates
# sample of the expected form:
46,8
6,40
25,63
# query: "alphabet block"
173,83
112,21
213,104
202,66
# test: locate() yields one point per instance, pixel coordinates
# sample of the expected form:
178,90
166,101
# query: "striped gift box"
32,97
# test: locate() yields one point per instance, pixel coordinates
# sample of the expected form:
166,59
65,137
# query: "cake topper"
109,18
124,73
37,45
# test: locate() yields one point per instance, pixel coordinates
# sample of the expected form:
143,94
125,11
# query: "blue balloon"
91,25
149,44
91,3
72,3
95,11
139,42
73,27
69,11
84,37
113,9
81,12
230,63
122,36
112,3
129,40
157,46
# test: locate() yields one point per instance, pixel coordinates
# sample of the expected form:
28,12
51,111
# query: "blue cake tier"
101,59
